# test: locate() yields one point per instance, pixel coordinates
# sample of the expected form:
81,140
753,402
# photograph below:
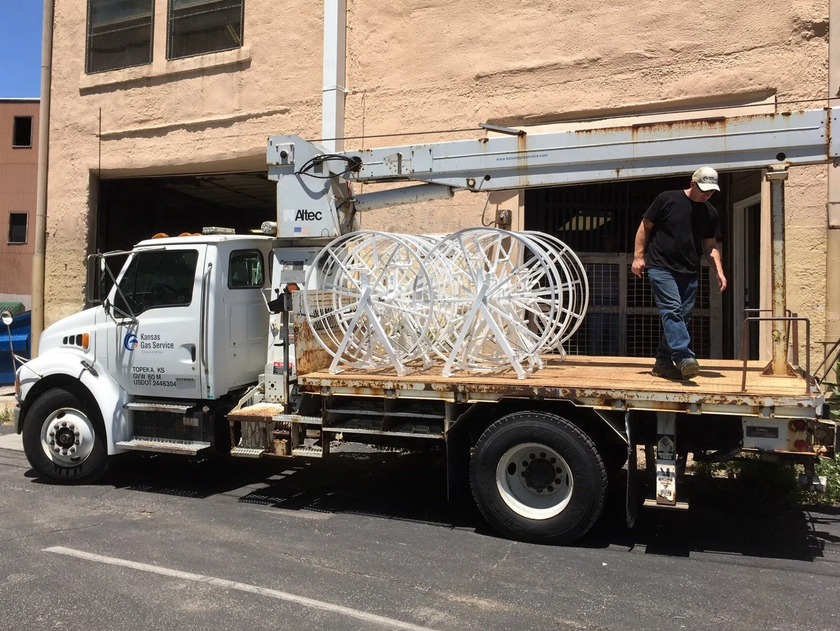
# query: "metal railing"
830,358
793,340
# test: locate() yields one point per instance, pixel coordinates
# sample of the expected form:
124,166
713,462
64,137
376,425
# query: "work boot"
666,371
689,368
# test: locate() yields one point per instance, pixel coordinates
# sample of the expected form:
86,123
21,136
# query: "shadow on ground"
725,517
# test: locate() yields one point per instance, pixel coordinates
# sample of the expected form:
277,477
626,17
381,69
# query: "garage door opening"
131,210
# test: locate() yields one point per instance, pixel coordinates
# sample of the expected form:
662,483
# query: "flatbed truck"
201,346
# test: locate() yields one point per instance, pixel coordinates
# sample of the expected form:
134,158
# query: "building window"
119,34
17,227
22,134
197,27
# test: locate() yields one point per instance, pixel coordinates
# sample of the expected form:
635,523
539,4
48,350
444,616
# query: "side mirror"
6,318
95,279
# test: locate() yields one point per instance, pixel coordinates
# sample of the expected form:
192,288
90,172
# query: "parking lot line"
243,587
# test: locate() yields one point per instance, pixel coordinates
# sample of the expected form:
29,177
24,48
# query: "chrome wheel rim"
534,481
67,437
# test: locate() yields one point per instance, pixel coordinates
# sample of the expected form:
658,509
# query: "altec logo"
308,215
130,342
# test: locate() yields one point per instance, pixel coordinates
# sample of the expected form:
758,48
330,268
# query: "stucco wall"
422,65
805,243
208,113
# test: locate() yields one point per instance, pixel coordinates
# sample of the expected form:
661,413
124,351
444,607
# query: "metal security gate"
623,320
599,222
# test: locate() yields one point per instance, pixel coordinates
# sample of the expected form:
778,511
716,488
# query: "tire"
64,439
556,497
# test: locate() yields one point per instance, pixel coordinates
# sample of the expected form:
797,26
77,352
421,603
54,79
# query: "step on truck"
202,346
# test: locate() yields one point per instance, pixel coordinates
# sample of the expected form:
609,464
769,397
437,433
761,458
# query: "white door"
153,340
744,274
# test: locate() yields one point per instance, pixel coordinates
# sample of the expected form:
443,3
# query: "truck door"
154,338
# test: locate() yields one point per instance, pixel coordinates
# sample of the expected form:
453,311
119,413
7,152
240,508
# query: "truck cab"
183,331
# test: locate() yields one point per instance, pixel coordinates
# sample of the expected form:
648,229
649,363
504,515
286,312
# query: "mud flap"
458,465
632,511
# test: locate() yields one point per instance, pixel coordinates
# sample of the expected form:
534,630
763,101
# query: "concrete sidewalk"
11,441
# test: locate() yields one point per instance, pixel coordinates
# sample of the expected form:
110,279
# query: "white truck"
200,346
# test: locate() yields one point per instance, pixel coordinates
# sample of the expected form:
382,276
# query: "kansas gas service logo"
130,342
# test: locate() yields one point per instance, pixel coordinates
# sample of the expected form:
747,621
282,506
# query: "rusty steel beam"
731,403
599,155
777,174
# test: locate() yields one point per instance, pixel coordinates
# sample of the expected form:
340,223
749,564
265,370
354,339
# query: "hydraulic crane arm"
313,198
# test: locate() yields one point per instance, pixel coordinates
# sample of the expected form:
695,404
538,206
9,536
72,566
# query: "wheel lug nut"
64,423
52,442
52,433
72,450
56,449
71,426
77,441
76,433
550,489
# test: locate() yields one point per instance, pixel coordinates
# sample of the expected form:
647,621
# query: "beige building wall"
425,66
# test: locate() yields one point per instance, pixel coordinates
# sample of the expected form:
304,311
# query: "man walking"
678,227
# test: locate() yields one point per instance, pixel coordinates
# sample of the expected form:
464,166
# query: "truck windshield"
157,279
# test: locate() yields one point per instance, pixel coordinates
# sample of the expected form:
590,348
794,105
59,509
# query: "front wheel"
537,477
63,439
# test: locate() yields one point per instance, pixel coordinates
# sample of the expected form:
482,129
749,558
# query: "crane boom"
313,198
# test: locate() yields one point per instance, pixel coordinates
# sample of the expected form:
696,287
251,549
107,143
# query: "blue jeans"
675,295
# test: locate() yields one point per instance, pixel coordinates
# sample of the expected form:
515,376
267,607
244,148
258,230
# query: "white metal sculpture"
505,300
369,301
480,299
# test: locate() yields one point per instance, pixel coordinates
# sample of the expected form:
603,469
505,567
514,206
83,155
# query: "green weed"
831,470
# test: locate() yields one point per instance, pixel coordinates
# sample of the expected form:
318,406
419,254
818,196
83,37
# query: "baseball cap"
706,178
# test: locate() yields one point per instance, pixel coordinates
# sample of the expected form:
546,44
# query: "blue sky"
20,48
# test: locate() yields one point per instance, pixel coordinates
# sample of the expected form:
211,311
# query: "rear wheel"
64,440
537,477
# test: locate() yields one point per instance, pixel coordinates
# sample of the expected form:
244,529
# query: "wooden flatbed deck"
603,382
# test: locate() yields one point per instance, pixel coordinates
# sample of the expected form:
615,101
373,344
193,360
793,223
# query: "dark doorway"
131,210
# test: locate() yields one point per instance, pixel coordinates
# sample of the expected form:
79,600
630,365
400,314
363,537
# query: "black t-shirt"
679,227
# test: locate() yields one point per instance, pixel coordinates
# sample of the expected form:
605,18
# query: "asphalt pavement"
367,541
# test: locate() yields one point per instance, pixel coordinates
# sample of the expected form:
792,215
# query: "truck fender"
66,369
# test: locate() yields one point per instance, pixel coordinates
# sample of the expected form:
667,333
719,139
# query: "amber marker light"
85,340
